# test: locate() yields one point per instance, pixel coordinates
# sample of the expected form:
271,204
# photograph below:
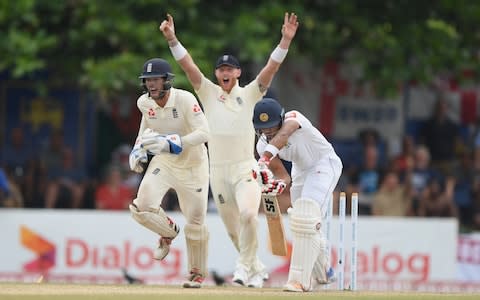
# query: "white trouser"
318,184
237,197
191,185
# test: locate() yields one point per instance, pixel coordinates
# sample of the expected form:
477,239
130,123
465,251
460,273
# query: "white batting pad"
197,247
305,222
322,263
155,221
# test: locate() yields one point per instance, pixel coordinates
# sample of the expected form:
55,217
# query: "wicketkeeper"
316,169
174,130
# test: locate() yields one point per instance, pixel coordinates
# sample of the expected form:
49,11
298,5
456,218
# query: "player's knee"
196,232
140,205
305,216
248,217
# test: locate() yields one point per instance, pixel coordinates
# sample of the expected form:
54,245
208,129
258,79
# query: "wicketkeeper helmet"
267,113
157,67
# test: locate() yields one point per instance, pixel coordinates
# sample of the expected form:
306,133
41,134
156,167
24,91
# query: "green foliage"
102,44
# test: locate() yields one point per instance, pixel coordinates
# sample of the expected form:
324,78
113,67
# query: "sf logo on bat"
270,205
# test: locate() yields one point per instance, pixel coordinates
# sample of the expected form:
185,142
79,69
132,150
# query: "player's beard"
158,95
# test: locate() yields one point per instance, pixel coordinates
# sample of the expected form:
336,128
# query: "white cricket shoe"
266,276
256,281
195,279
164,242
331,277
240,276
163,248
294,286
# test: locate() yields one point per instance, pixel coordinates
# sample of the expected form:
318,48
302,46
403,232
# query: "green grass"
155,292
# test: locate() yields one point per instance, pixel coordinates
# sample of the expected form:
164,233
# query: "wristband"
279,54
178,51
272,149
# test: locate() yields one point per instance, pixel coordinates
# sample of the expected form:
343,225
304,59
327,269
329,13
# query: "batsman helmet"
157,67
267,113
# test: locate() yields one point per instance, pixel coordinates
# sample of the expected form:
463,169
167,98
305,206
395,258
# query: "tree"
102,45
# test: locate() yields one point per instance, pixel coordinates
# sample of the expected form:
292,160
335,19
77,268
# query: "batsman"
316,169
174,130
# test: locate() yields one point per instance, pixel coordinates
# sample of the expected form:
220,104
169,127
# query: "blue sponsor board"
39,115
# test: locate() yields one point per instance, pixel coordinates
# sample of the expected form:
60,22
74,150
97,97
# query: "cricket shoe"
294,286
163,248
240,276
164,242
331,277
258,279
195,279
266,276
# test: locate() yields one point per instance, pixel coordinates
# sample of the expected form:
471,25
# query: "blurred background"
393,85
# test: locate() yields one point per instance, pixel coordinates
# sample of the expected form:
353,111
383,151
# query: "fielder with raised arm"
174,130
229,110
316,169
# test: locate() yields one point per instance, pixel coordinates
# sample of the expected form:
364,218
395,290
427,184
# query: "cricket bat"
275,225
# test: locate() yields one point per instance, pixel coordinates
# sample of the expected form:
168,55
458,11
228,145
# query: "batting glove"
274,188
263,162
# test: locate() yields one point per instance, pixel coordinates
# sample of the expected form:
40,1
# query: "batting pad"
197,247
157,222
305,221
322,263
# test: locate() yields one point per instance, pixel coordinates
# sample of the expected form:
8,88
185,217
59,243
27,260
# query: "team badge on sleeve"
196,108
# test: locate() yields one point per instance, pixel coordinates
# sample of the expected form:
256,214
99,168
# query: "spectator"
17,153
476,209
464,174
18,158
112,193
66,185
422,174
436,200
441,136
51,156
392,198
4,186
10,194
366,179
404,162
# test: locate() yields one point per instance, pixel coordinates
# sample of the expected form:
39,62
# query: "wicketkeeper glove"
156,143
138,158
274,188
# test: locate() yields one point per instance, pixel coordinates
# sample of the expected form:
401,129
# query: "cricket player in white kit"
229,110
316,169
174,130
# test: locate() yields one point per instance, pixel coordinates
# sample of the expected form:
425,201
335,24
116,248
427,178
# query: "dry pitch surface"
147,292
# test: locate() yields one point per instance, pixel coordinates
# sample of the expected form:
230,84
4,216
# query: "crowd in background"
436,174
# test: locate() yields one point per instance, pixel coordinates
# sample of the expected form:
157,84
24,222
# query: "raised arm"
289,28
167,27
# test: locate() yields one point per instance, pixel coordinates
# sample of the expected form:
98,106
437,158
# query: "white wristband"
178,51
272,149
279,54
